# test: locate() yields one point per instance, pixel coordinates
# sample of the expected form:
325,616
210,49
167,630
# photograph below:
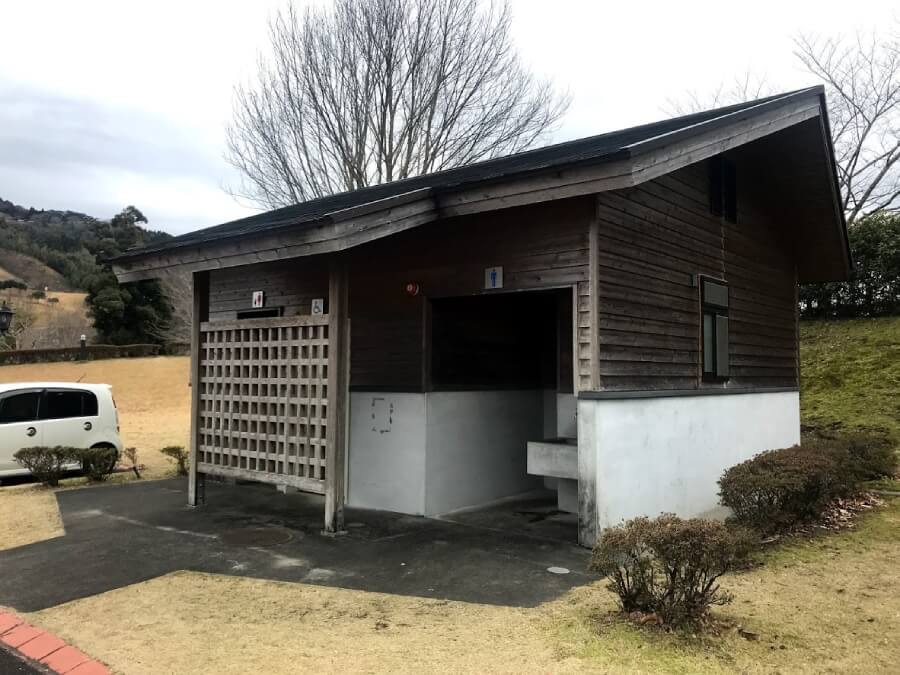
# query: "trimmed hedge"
46,464
98,463
670,566
91,352
778,489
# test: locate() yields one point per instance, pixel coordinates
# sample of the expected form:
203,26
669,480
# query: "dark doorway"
520,340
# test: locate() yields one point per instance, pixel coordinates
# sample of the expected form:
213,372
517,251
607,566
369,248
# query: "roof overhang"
631,165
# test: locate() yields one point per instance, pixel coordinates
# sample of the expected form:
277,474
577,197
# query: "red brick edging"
38,645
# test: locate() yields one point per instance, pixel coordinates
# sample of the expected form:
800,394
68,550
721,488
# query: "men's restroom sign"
493,278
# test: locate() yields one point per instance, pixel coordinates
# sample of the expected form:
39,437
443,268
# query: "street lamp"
6,316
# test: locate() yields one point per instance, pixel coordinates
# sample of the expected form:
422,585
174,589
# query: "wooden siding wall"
543,246
291,284
651,239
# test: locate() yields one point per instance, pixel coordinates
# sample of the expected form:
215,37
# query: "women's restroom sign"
493,278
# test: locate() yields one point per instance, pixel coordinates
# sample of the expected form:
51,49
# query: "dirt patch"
152,396
28,514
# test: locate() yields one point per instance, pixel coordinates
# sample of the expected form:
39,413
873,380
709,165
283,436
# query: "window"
723,188
64,403
714,302
19,407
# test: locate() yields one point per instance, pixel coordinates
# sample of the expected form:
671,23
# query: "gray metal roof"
606,147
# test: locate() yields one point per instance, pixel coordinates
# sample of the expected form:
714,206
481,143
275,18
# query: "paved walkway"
120,535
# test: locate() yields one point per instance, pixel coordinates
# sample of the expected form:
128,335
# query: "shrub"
180,455
670,566
13,283
779,488
46,464
98,463
872,456
38,295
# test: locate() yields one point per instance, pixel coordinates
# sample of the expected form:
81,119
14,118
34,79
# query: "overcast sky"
104,104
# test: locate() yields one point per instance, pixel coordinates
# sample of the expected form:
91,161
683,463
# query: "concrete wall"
386,457
426,454
477,446
647,456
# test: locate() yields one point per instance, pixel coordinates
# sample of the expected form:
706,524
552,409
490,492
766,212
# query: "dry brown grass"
152,396
189,622
28,514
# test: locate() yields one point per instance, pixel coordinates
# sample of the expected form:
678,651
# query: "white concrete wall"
476,447
646,456
386,456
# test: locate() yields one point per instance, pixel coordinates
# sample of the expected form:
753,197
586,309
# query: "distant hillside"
68,242
850,374
31,271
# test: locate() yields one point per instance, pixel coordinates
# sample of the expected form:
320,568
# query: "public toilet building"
613,318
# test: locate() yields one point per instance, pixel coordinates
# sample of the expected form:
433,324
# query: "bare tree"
747,87
862,79
379,90
179,291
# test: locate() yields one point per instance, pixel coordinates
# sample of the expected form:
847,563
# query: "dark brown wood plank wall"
652,239
541,246
291,284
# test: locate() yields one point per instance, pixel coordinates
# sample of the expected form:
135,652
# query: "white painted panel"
387,452
651,456
477,446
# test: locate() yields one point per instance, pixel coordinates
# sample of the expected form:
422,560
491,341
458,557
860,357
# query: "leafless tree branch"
379,90
746,87
862,79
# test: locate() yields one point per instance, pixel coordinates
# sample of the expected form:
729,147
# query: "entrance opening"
501,382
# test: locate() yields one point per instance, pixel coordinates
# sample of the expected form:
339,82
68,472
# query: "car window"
19,407
63,403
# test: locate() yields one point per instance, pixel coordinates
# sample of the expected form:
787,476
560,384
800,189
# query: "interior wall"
566,416
476,446
386,457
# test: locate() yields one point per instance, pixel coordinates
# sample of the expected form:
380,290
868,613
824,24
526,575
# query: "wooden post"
594,287
199,314
338,394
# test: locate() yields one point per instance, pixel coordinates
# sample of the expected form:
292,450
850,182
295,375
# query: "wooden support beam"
199,314
594,284
338,395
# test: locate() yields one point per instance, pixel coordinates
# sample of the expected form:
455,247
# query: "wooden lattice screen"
263,400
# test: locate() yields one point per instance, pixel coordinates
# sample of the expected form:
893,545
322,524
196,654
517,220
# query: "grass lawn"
850,374
28,513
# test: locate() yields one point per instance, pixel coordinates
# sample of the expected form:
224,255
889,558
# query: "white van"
55,413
